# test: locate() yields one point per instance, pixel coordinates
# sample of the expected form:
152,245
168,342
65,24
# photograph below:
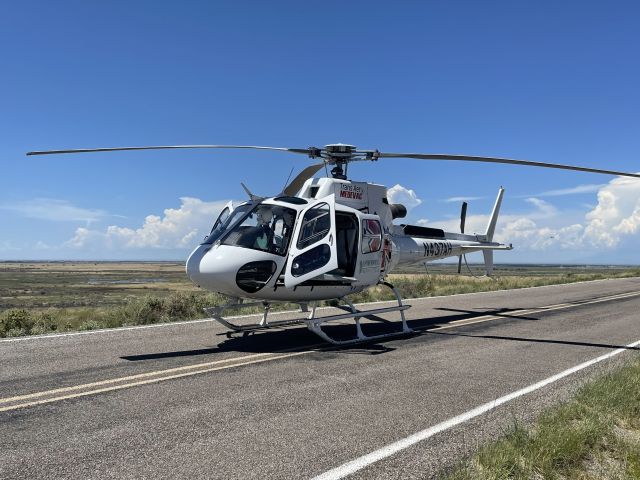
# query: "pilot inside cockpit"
267,228
264,232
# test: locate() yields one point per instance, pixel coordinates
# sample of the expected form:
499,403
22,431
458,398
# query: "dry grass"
595,436
38,298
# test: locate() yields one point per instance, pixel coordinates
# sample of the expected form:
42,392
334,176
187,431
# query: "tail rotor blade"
463,219
463,216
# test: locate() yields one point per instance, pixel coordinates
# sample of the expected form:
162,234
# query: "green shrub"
16,320
17,332
90,325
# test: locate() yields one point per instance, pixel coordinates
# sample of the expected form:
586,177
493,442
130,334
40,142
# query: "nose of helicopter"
213,268
193,263
217,268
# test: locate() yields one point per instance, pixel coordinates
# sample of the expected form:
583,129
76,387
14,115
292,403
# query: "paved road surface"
182,401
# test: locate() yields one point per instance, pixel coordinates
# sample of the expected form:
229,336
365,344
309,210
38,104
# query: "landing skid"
313,322
264,323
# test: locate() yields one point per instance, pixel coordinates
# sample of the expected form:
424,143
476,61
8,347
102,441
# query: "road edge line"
399,445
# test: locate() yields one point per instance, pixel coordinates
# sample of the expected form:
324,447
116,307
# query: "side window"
371,236
311,260
316,223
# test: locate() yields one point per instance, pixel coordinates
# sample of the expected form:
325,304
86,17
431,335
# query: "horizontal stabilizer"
487,247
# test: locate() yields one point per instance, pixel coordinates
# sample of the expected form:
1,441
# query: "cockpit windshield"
267,228
226,220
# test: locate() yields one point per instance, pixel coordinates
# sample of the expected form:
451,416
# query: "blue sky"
546,81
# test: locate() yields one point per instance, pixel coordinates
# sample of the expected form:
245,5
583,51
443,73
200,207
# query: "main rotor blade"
304,151
469,158
296,184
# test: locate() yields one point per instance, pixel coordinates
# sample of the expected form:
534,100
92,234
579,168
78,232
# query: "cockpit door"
313,247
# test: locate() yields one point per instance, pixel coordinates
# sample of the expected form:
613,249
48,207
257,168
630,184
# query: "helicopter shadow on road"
279,339
482,311
551,341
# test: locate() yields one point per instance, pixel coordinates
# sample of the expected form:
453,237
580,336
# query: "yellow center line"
130,377
148,381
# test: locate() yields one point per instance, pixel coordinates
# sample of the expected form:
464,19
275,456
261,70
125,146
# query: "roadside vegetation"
594,436
59,297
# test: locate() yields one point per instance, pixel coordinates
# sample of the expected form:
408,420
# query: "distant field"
87,284
61,296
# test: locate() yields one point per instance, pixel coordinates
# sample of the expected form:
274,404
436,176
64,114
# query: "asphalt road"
182,401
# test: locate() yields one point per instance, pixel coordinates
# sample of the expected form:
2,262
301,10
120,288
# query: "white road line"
395,447
207,320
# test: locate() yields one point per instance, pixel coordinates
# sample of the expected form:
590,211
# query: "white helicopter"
324,239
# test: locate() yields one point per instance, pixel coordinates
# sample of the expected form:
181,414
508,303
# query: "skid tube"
238,303
313,323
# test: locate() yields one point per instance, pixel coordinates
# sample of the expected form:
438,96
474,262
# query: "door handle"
331,239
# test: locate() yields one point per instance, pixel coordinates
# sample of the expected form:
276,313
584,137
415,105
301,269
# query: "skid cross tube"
314,323
238,303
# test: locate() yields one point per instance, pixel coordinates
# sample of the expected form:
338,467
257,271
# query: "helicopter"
325,238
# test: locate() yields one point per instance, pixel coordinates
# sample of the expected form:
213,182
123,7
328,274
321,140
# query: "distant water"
102,281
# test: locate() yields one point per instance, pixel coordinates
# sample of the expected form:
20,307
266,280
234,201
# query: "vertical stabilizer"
491,227
488,262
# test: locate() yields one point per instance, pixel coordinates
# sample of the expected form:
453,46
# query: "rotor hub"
340,150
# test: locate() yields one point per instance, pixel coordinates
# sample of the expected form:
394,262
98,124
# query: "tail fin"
491,227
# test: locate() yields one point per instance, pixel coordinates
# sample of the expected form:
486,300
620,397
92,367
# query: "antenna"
288,178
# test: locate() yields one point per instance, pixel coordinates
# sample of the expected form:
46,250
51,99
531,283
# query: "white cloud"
543,209
405,196
54,210
587,188
178,228
461,199
7,246
616,217
617,213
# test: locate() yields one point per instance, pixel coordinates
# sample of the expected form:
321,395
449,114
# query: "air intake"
398,210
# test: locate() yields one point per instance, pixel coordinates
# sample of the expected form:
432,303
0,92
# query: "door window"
316,223
371,236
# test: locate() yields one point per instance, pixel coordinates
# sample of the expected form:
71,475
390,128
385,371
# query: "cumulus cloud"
616,217
617,213
178,228
405,196
54,210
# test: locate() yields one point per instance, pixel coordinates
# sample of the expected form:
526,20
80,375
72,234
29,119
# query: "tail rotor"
463,219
